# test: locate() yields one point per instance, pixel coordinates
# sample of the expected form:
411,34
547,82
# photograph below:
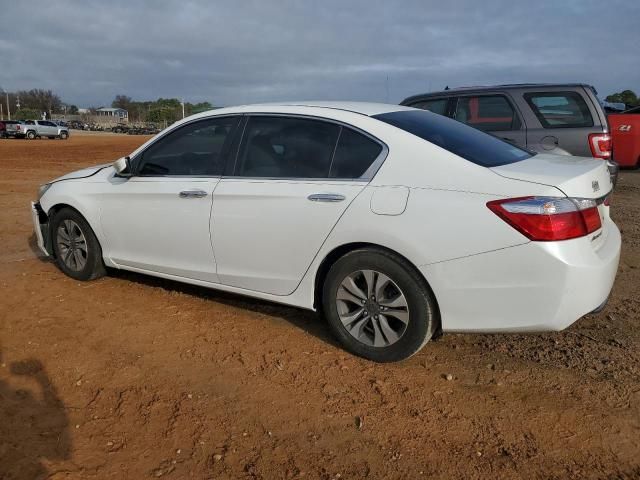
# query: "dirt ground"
133,377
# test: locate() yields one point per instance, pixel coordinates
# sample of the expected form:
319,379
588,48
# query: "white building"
117,114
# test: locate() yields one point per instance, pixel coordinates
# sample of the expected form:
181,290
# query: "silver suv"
564,119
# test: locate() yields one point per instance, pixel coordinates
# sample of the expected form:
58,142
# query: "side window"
487,113
560,109
195,149
286,147
438,105
354,155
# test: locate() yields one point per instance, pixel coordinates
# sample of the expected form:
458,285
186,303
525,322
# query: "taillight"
549,219
600,145
17,127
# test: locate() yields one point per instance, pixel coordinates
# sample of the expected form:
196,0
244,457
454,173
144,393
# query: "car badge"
595,185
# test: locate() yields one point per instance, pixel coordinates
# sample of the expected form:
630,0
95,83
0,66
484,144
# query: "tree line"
628,97
31,104
159,111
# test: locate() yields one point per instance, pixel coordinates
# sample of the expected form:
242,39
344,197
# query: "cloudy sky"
242,51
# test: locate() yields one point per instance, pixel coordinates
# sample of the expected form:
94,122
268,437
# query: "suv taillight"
17,126
549,219
600,145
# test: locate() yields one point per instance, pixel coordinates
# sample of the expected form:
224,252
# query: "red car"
625,136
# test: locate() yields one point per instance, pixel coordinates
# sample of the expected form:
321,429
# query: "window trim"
367,176
135,161
518,115
569,93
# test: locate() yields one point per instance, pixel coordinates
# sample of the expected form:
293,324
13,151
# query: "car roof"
362,108
506,86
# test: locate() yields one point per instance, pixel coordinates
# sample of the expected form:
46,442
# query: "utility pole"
6,94
182,103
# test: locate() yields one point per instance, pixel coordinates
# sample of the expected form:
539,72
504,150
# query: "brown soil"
133,377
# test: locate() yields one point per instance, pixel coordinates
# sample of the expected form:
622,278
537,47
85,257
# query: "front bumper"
538,286
41,228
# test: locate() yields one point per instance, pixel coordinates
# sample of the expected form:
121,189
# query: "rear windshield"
466,142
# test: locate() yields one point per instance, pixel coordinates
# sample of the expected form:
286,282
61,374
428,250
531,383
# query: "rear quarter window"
436,105
560,109
460,139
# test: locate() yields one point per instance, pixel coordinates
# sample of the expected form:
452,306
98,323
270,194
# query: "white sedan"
396,223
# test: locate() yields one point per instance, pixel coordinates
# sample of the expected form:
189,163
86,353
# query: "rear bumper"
40,228
533,287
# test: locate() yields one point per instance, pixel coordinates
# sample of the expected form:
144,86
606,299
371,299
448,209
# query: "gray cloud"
231,52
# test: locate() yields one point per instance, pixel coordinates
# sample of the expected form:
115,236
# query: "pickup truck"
31,129
625,136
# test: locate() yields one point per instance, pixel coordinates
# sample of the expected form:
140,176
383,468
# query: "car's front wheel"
378,306
76,248
64,135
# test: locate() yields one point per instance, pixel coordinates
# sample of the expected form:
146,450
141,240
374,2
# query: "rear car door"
293,179
158,220
492,113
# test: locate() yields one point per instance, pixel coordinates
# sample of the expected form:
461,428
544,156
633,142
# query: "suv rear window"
560,109
467,142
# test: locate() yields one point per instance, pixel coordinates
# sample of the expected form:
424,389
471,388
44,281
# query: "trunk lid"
578,177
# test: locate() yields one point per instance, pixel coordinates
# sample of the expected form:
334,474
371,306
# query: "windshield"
466,142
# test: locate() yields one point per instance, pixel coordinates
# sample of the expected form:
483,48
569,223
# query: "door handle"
326,197
193,194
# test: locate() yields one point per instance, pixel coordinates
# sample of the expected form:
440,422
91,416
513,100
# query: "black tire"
31,135
64,135
423,316
93,266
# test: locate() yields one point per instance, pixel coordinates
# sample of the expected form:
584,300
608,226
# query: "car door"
158,220
293,179
44,129
492,113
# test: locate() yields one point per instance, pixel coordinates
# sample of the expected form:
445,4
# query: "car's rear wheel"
76,248
378,306
31,135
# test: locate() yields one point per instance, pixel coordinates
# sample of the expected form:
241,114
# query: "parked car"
31,129
78,125
3,128
625,133
120,129
564,119
392,221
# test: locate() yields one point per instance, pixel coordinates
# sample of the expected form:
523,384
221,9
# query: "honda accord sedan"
395,223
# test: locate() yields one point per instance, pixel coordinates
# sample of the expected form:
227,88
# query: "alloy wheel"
72,245
372,308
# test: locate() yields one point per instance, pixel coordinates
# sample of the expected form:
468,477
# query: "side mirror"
122,167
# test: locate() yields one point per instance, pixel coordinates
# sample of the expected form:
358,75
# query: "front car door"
492,113
158,220
45,129
293,179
